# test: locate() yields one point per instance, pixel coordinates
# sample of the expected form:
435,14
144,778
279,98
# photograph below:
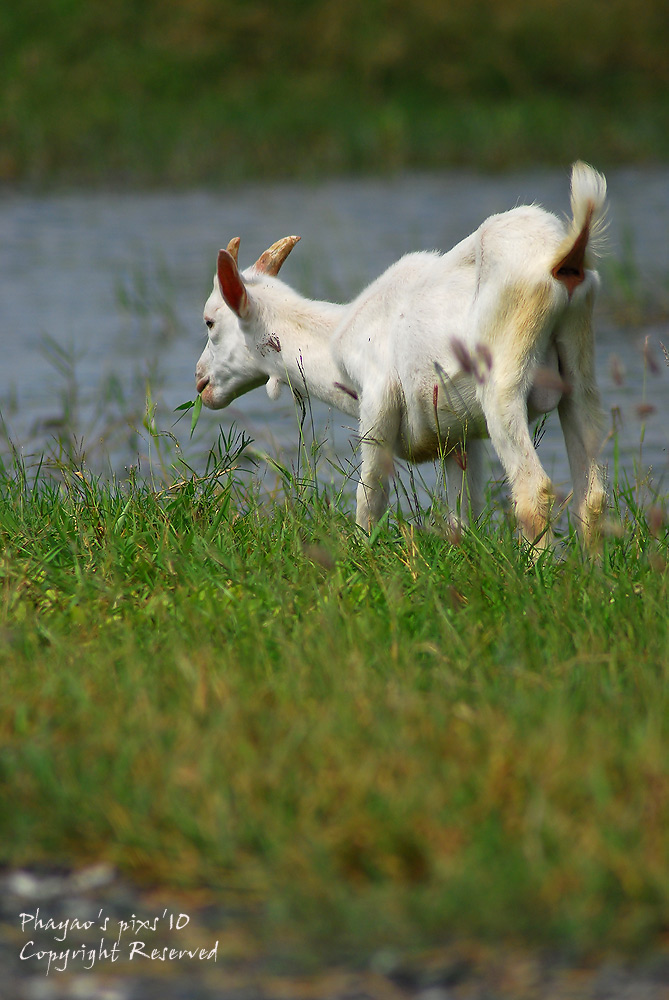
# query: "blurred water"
102,293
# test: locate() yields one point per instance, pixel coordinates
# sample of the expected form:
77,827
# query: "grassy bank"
375,742
219,92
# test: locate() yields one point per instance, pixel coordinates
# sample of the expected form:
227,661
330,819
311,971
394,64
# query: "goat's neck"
295,348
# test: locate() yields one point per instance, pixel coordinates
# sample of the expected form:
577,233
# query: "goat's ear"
232,284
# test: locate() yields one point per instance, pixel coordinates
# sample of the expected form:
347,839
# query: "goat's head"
228,366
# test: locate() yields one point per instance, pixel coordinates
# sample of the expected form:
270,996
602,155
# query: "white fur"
440,352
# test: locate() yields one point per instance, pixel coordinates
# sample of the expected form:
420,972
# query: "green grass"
375,742
220,91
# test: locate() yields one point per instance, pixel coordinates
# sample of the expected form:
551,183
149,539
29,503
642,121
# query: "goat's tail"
586,228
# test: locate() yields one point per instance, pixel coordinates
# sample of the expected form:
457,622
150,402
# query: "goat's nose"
201,383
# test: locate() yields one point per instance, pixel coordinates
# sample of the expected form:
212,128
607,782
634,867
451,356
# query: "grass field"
368,741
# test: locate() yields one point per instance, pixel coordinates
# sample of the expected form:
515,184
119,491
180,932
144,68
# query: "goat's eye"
209,323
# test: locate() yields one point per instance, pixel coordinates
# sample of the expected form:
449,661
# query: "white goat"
437,353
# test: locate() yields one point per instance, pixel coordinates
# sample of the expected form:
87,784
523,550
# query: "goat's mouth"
217,397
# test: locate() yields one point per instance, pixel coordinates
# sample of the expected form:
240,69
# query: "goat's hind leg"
581,420
532,492
514,337
582,442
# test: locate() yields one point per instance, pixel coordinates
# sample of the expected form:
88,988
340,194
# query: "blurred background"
180,92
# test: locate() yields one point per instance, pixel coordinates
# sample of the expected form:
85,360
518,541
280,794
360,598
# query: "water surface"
101,295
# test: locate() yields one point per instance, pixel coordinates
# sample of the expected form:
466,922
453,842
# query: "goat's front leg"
505,411
378,430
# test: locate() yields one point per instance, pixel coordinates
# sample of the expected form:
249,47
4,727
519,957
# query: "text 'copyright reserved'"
107,940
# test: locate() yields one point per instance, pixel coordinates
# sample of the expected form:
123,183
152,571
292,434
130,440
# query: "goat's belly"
425,448
421,441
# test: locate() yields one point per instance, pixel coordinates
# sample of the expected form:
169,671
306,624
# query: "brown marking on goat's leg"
533,513
593,508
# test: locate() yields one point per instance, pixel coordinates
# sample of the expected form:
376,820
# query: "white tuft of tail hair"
588,206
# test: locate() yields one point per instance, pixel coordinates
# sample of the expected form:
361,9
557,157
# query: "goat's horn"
270,262
233,248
